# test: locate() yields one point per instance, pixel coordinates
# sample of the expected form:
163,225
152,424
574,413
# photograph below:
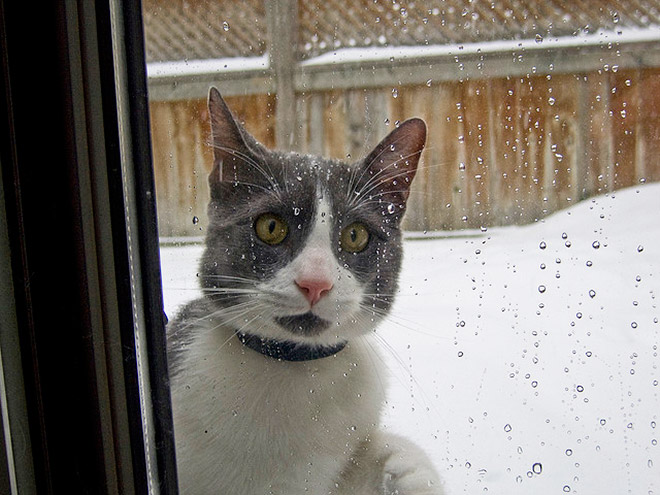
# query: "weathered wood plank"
499,151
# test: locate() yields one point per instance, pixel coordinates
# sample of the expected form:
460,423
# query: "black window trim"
84,276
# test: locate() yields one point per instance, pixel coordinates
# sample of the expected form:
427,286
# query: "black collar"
287,350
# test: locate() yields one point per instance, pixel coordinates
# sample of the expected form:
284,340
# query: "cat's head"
304,248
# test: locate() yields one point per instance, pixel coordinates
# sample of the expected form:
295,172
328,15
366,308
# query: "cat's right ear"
229,146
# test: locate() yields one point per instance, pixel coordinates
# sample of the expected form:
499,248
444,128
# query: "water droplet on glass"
551,101
225,26
296,211
538,38
390,208
640,248
195,220
428,83
542,245
569,452
507,428
395,93
541,289
595,244
537,468
592,293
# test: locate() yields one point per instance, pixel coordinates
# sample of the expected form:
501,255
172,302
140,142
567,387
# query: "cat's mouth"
305,324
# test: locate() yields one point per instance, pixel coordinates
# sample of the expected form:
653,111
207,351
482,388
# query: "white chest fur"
247,423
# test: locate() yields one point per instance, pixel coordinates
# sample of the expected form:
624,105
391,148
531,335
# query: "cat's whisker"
367,166
371,352
250,161
275,194
239,330
355,203
403,322
210,316
375,181
425,401
230,278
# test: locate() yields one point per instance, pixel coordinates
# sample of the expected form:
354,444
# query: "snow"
183,68
209,66
387,53
513,388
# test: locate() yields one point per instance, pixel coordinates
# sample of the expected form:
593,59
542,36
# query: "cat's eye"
354,238
271,229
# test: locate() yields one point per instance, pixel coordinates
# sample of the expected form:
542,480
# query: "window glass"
521,350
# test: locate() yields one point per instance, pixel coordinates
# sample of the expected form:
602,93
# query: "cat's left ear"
391,166
234,149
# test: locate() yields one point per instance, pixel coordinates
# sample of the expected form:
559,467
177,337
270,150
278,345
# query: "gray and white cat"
276,387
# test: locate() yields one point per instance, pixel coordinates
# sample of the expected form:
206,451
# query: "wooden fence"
500,151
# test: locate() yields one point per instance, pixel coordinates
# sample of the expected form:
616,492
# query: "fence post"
282,17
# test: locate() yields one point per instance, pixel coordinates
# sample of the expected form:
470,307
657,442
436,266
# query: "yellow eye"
354,238
271,229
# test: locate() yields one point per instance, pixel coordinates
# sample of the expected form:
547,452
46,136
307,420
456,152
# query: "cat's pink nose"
314,288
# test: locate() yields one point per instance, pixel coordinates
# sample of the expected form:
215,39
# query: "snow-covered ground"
525,359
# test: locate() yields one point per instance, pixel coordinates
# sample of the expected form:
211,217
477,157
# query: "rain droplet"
569,452
542,245
195,220
296,211
592,293
225,26
595,244
507,428
428,83
640,248
541,289
579,388
395,93
538,38
537,468
390,208
566,488
551,101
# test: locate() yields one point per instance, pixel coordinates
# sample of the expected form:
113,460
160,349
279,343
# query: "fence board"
624,111
499,151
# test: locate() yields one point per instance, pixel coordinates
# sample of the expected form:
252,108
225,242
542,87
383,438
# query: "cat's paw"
408,471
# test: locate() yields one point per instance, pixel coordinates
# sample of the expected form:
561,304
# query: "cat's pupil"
271,226
353,235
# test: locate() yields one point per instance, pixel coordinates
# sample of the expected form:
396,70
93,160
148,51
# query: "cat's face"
303,248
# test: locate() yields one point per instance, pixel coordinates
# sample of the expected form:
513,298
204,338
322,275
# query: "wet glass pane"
519,349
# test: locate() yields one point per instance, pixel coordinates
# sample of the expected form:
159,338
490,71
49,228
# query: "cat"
276,388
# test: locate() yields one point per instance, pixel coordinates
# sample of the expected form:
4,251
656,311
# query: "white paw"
408,471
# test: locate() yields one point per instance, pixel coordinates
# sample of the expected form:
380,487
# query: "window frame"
85,397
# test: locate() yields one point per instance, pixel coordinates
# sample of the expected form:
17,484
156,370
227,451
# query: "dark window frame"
78,225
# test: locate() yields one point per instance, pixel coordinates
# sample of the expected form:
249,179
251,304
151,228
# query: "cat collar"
287,350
